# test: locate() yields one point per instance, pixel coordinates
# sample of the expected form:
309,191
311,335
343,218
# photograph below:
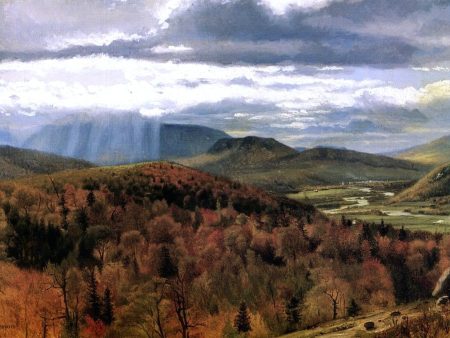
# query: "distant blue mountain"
122,138
6,138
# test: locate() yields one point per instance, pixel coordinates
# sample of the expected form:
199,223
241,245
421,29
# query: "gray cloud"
364,32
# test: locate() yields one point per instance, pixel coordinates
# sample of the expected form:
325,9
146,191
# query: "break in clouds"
366,74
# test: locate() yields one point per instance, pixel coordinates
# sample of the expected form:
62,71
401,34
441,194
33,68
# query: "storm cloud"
349,32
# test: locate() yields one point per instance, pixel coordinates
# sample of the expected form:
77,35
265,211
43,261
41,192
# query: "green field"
371,202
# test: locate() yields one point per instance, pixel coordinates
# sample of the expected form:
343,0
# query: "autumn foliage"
160,250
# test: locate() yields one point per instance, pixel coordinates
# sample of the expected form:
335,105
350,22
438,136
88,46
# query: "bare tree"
65,280
179,294
334,295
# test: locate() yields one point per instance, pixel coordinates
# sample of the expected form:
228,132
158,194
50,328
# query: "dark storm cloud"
372,32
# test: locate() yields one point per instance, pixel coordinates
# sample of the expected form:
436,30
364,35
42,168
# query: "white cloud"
280,7
388,95
436,92
157,88
153,112
443,69
329,68
165,49
55,43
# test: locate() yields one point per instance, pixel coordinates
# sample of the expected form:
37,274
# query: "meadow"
371,202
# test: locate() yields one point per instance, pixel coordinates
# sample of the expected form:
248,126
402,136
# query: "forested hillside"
17,162
161,250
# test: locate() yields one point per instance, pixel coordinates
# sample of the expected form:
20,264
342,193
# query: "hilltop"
434,184
176,184
434,153
17,162
238,153
274,166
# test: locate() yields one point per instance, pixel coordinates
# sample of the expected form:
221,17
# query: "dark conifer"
292,313
90,199
402,234
93,306
64,212
82,219
108,309
242,320
166,266
353,309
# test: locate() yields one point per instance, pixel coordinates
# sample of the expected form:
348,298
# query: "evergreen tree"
353,309
108,310
90,199
383,229
86,251
292,313
402,234
93,306
166,267
343,220
242,320
198,218
82,219
64,212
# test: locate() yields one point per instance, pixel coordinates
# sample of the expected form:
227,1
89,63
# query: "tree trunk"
334,309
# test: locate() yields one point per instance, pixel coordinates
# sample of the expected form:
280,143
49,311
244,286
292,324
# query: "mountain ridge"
122,138
433,153
274,166
18,162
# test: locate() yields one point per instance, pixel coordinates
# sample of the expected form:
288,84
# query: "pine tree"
383,229
402,234
353,309
242,320
343,220
64,212
82,219
108,309
90,199
292,313
93,306
198,218
166,267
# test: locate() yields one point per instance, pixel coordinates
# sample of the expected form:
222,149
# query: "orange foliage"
26,303
374,285
93,329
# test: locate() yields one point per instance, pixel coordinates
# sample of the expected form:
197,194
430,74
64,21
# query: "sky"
370,75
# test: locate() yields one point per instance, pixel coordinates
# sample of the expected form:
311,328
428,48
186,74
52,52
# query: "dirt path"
354,327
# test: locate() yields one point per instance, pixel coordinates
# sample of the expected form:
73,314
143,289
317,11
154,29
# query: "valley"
372,202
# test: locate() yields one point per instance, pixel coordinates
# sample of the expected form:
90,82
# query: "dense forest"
161,250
